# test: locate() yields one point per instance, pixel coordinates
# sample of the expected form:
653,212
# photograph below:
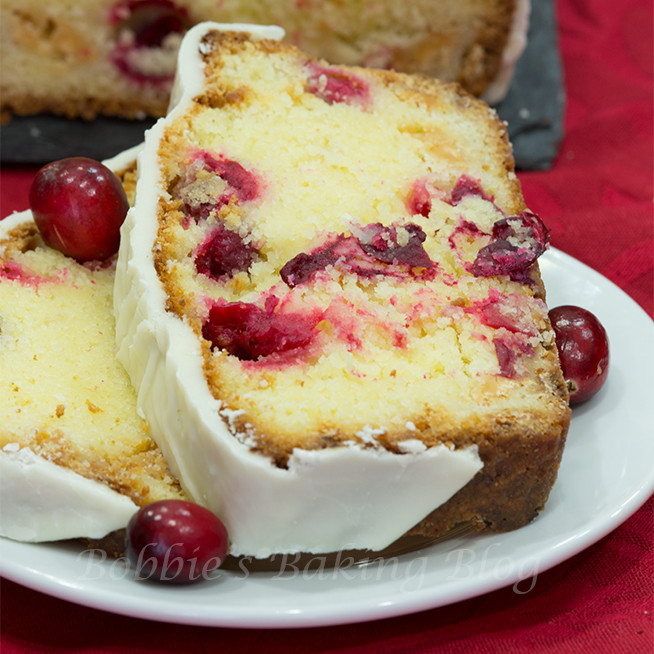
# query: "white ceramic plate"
605,476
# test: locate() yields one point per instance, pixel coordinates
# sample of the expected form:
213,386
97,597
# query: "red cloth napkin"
597,200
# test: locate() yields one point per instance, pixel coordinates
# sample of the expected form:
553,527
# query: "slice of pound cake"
328,299
118,57
76,460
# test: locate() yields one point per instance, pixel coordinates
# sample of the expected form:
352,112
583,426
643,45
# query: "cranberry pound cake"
117,57
328,299
76,459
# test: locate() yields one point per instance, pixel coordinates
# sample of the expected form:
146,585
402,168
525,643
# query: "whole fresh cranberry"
583,350
175,541
79,205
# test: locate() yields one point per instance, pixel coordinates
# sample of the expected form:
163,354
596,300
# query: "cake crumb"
92,407
412,446
230,416
369,434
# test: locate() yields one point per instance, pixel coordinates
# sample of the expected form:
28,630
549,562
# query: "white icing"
412,446
42,501
13,220
327,500
124,159
515,46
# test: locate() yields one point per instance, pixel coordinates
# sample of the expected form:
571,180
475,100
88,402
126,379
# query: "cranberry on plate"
175,541
583,350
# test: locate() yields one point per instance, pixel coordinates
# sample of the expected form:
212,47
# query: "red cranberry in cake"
419,200
396,245
511,312
465,186
79,205
241,182
465,229
149,32
583,350
249,332
506,357
372,250
175,541
304,266
516,243
211,182
334,85
512,316
224,253
524,231
509,350
12,270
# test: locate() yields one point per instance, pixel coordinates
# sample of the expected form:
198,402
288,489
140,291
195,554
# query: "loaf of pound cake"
76,459
328,298
117,57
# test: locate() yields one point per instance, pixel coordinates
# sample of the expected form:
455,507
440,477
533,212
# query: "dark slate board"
534,105
533,109
41,139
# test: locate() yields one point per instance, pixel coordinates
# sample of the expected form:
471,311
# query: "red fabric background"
597,200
